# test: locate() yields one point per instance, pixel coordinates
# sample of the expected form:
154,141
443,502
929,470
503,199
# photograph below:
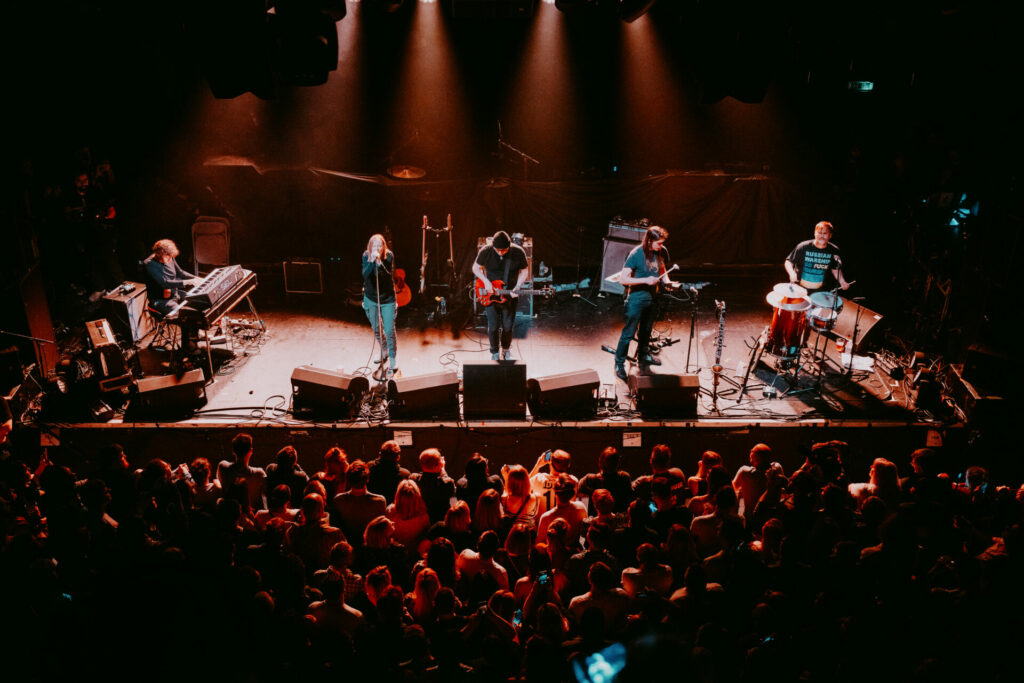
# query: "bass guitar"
501,295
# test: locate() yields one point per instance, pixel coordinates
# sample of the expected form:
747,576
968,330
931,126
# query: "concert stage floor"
251,391
565,333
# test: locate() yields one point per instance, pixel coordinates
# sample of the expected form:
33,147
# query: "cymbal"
406,172
497,183
789,289
782,300
826,300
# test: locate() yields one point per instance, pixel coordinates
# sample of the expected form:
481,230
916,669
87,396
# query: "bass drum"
788,330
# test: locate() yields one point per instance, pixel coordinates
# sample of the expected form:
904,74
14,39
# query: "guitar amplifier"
125,308
525,306
628,230
108,360
616,250
303,277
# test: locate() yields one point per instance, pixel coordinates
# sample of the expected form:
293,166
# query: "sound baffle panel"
853,314
168,396
326,393
615,252
665,396
432,396
495,389
125,309
567,394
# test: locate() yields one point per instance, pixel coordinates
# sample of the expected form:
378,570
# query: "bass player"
496,265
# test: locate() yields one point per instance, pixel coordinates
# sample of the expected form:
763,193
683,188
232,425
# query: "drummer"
815,264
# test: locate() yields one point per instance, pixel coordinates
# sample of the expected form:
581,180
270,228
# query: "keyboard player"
166,281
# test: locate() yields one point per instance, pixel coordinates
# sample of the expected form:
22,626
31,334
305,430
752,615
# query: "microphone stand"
693,325
381,374
579,255
853,342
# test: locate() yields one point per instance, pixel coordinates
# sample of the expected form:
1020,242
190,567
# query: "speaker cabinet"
565,395
125,308
496,389
433,396
326,393
168,396
665,396
303,277
616,250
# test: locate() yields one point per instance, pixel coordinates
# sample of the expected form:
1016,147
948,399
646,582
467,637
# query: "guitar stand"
441,283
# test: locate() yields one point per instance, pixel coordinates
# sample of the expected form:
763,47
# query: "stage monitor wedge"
320,393
494,390
565,395
665,396
168,396
433,396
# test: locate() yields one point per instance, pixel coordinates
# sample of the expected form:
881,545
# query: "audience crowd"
370,571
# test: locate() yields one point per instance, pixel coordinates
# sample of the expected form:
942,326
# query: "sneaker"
650,360
506,355
620,372
394,373
494,356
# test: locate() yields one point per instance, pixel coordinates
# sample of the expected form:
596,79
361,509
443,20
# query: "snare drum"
788,331
825,308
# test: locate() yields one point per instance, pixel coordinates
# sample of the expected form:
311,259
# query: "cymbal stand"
824,352
756,351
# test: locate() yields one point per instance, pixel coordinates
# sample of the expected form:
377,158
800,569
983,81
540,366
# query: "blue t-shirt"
640,267
813,265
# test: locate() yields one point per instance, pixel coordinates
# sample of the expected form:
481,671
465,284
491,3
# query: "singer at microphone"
379,302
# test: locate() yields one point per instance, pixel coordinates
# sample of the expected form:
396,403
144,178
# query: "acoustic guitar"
403,295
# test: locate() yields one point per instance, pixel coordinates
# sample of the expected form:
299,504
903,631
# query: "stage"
252,389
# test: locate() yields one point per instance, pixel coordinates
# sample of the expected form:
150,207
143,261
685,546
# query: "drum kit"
795,314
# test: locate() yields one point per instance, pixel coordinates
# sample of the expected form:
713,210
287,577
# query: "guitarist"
501,262
643,273
379,296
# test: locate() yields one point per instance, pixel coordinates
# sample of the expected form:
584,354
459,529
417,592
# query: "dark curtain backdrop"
715,219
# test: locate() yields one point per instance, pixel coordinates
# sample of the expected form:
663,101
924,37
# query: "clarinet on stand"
716,369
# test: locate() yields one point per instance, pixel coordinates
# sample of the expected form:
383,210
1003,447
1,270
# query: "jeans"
640,314
387,314
501,319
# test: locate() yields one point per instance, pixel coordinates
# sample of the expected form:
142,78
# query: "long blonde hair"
408,501
383,243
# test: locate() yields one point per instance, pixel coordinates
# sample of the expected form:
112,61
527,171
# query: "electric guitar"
501,295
